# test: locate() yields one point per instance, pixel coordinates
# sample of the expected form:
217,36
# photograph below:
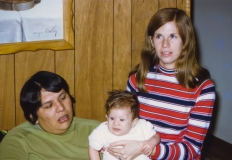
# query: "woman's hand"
130,149
149,146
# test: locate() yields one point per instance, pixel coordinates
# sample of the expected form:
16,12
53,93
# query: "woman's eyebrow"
62,93
45,102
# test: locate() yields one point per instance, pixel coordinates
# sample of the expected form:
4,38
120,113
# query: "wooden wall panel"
109,35
167,3
142,11
122,43
64,66
7,95
93,56
184,5
26,64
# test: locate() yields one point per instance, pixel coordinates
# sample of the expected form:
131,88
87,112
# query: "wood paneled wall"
108,38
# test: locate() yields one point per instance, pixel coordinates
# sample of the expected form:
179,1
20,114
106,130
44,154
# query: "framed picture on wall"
35,24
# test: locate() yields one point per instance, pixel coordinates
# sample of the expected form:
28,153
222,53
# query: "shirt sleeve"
149,129
95,139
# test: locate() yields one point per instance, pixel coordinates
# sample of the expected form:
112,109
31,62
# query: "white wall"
213,24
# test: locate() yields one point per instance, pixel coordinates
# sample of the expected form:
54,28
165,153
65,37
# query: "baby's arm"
93,154
149,145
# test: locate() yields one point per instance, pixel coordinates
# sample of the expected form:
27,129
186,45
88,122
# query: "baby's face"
120,121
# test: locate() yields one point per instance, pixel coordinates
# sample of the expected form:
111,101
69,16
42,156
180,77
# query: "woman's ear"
150,39
31,116
134,122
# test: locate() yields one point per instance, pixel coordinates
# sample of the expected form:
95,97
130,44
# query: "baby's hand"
103,150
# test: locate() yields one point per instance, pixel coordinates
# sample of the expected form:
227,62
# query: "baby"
123,123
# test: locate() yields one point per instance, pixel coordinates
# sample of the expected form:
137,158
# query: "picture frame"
60,44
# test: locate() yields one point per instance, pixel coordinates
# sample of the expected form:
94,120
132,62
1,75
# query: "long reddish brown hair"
189,72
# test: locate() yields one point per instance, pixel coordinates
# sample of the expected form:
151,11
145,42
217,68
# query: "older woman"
51,131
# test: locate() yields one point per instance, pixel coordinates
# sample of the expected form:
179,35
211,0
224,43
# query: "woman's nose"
60,106
165,43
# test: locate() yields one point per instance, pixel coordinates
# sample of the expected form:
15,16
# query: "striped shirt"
180,116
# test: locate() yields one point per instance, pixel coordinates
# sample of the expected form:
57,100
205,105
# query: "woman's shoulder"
207,86
21,128
19,132
207,83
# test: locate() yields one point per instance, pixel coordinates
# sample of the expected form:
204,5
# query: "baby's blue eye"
122,120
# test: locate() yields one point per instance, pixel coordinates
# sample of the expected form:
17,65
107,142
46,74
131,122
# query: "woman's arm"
149,145
190,144
93,154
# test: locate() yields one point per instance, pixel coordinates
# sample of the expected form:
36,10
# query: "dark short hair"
30,95
121,99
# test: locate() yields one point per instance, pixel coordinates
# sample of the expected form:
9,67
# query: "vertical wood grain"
93,56
7,96
184,5
27,64
181,4
122,43
167,4
142,11
64,66
109,35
